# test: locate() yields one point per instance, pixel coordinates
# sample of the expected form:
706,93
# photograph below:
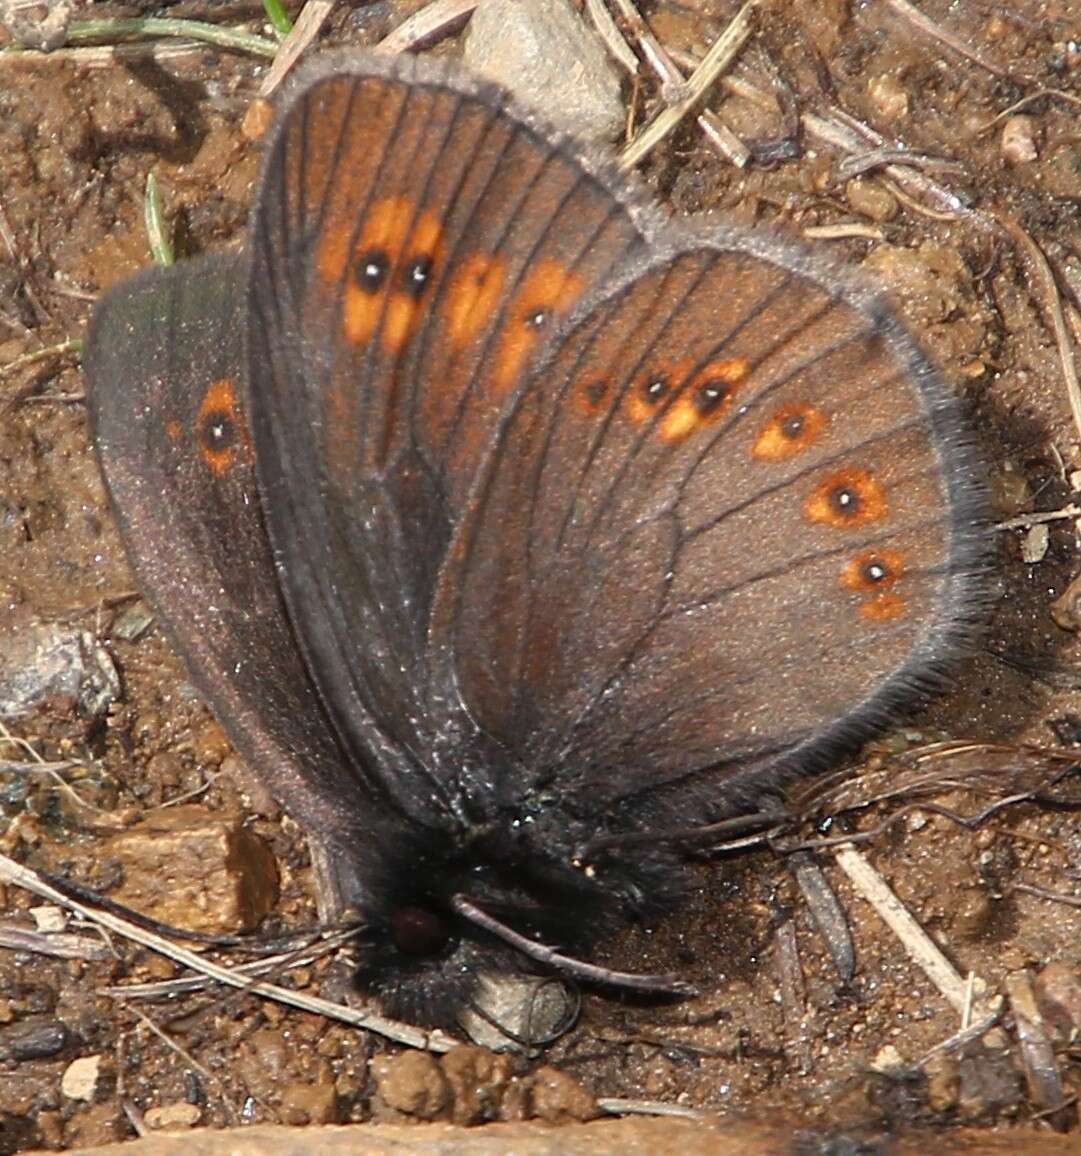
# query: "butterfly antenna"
667,984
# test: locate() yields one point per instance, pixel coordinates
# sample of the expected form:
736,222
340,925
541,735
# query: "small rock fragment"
943,1083
1066,609
547,55
33,1040
49,918
1034,543
559,1098
172,1117
82,1078
413,1083
478,1078
315,1103
1019,140
39,24
871,199
197,870
1058,993
516,1008
889,1060
45,665
888,96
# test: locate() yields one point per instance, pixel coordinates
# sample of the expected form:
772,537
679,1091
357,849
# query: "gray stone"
518,1012
551,59
49,664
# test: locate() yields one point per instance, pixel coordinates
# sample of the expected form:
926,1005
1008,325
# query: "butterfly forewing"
408,266
722,526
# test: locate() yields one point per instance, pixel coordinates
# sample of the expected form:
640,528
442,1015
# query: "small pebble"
551,59
49,918
33,1040
170,1117
871,200
81,1078
412,1083
888,96
1019,140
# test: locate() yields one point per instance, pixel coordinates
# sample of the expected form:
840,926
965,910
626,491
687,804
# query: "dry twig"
435,1041
720,56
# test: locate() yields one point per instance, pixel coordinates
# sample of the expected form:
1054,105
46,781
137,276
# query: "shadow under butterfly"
502,521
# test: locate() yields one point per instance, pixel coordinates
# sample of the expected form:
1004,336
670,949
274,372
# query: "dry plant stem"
435,1041
60,944
919,945
1037,1055
719,57
1024,102
426,27
846,133
1052,303
673,86
107,56
723,139
843,232
609,32
855,166
964,1037
616,1106
720,136
793,996
64,347
928,26
1025,521
312,17
1043,893
826,911
286,961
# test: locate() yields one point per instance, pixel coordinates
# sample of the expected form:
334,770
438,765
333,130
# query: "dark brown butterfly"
503,523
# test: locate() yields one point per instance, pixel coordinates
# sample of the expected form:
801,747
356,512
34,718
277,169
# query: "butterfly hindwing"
164,363
719,527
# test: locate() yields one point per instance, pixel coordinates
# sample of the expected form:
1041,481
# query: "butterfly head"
501,897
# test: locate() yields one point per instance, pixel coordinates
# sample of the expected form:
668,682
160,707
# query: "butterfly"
509,526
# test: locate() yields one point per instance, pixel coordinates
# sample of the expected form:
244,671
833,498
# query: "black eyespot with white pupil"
417,275
710,396
845,501
218,430
793,426
371,269
654,388
875,572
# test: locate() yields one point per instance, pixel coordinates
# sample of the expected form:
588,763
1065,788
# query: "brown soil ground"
76,145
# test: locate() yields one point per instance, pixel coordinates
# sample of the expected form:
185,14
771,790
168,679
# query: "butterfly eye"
417,931
370,271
